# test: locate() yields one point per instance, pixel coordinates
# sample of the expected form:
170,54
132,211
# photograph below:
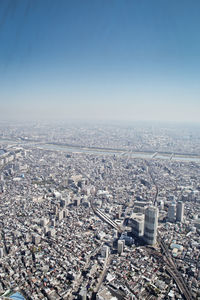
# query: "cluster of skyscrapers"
144,225
175,212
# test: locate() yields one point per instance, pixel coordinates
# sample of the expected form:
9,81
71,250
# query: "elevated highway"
106,219
97,211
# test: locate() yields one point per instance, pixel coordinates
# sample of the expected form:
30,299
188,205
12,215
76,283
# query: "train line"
167,258
170,263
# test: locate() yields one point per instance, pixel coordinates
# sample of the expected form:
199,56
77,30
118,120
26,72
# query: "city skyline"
100,60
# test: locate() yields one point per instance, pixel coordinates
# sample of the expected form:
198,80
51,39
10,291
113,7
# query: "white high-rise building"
105,251
179,211
120,246
150,225
137,224
1,252
172,212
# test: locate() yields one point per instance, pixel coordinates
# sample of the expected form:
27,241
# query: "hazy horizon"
100,60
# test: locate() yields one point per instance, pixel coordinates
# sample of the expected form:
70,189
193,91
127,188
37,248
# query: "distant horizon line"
101,121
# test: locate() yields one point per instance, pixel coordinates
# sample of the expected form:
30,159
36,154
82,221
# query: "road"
101,278
153,180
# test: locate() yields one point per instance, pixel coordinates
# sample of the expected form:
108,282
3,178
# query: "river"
145,155
74,149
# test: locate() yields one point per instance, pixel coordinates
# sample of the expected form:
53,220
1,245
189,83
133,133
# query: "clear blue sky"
105,59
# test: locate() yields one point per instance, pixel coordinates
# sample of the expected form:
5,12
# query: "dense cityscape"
99,150
99,211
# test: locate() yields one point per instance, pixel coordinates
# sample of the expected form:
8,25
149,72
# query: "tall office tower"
120,246
1,252
172,212
150,225
137,224
105,251
180,211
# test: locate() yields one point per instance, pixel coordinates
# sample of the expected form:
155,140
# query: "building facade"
179,211
150,225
